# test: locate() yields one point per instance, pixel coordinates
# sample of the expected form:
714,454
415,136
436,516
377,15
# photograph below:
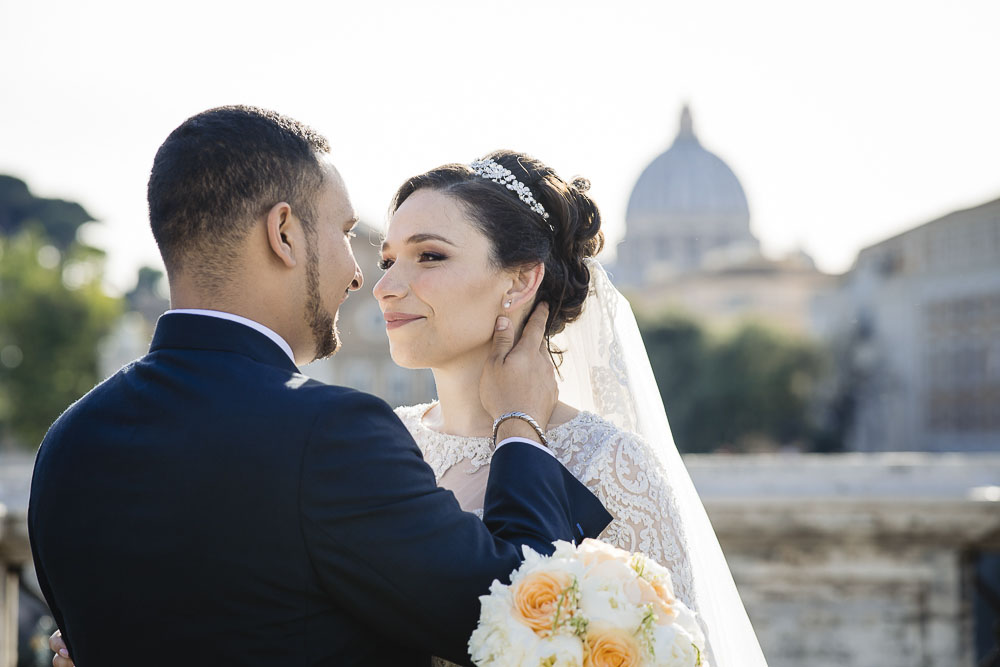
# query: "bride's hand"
520,378
58,646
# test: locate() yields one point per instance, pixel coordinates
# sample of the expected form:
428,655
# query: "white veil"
606,371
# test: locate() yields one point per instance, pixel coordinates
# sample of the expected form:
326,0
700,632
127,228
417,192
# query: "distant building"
688,246
686,204
778,293
918,322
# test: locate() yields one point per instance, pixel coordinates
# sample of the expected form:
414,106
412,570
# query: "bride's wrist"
517,424
515,428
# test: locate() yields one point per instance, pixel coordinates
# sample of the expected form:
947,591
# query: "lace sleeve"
623,473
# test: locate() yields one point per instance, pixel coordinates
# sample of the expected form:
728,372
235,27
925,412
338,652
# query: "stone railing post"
14,553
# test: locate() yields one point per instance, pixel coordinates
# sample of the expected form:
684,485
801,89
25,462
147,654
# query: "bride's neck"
459,410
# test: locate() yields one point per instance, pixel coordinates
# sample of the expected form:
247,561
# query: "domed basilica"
688,245
686,206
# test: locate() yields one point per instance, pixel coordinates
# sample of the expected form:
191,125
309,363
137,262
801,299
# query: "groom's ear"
527,280
282,234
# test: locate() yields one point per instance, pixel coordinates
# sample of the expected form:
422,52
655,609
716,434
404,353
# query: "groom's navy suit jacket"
208,504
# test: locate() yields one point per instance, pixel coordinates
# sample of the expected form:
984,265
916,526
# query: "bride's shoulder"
411,414
587,430
595,443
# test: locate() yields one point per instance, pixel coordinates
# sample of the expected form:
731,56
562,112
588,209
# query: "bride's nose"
388,286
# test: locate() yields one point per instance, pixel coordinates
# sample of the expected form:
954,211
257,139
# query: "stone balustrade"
855,560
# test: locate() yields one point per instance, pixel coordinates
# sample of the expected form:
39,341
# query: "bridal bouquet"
588,606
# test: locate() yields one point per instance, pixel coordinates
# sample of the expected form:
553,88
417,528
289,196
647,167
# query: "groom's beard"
322,323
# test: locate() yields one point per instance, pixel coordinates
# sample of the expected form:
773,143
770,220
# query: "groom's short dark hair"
218,172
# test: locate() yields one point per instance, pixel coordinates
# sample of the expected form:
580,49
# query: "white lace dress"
617,466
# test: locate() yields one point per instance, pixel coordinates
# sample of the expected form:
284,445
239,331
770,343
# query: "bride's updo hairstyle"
520,235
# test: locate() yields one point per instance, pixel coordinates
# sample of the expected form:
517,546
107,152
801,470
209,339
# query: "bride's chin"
403,361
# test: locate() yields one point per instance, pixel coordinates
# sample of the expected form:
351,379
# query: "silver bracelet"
523,416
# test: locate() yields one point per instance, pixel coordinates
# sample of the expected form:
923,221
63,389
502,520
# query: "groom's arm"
396,551
516,506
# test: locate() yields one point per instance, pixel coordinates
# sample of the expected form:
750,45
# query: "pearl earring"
507,304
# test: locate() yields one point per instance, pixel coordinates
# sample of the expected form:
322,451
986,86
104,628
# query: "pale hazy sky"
846,122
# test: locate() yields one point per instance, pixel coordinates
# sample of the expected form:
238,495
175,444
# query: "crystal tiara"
499,174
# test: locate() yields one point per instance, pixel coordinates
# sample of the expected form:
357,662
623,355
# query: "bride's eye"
384,264
431,257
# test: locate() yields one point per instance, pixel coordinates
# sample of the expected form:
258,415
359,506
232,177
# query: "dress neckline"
553,434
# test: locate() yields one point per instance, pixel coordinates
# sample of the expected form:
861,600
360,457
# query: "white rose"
506,643
566,650
534,562
688,620
564,549
673,647
604,595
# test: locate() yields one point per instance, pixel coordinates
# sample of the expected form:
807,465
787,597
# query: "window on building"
962,364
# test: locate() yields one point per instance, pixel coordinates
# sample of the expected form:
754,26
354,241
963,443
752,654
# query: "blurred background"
801,201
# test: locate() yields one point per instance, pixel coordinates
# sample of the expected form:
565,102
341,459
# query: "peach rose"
665,608
642,592
595,552
536,599
608,646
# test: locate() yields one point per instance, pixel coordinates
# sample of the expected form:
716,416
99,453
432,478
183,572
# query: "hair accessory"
497,173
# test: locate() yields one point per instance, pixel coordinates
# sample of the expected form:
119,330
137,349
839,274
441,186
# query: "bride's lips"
396,320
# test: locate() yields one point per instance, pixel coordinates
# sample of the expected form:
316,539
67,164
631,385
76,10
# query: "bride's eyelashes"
424,258
431,257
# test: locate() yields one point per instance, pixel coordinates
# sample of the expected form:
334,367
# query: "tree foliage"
19,209
751,389
53,313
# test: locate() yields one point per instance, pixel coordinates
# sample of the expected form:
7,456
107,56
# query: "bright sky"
846,122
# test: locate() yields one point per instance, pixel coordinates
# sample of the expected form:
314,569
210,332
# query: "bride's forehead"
430,212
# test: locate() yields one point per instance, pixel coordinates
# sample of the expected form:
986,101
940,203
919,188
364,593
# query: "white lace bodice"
617,466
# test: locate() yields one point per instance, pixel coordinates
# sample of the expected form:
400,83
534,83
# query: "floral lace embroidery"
616,465
440,450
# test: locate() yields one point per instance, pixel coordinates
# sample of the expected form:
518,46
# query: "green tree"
753,388
53,313
678,352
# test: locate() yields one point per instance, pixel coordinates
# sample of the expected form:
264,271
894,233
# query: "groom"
208,504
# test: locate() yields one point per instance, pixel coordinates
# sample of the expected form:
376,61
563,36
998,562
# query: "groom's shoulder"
338,402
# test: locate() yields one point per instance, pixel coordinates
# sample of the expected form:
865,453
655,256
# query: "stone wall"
854,560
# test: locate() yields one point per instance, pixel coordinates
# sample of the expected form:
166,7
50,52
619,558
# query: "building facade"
918,322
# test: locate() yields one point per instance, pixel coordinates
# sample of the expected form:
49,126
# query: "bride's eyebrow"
417,238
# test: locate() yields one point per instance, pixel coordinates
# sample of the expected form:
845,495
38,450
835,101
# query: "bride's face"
440,293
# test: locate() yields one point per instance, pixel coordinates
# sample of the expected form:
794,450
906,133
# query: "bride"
466,242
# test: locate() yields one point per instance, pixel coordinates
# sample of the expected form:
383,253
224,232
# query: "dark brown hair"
521,237
220,170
